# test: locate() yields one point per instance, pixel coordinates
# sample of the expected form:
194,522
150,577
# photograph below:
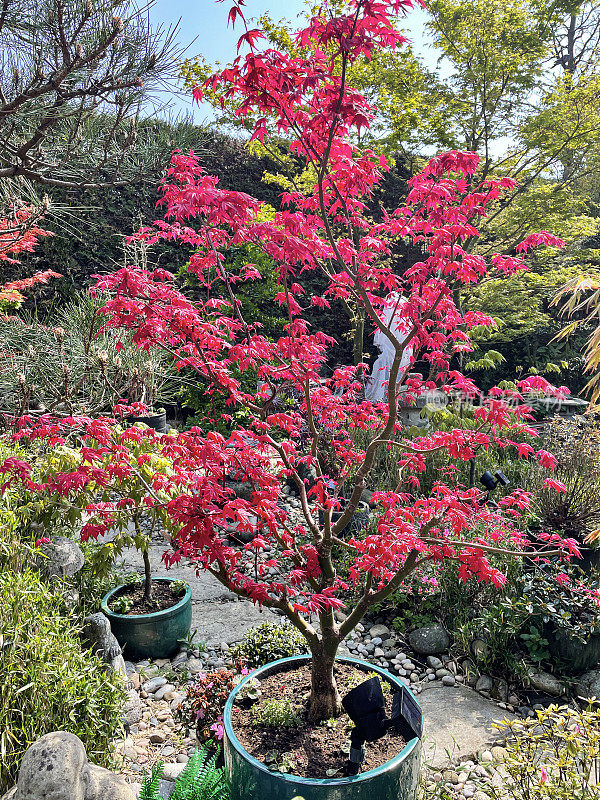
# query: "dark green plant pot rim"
165,613
297,780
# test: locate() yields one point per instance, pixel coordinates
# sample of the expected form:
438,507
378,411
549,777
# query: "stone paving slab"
218,622
457,722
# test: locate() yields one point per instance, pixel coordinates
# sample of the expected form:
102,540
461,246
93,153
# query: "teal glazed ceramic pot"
250,779
154,635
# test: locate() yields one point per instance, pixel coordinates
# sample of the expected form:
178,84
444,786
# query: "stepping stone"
217,622
457,722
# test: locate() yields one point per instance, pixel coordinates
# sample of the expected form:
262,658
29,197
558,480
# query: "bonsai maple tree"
327,228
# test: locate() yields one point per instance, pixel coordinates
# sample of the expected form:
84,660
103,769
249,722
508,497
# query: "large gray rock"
62,558
499,690
379,630
484,684
547,683
588,685
431,640
56,768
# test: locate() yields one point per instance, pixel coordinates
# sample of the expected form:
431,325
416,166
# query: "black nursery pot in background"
157,420
359,520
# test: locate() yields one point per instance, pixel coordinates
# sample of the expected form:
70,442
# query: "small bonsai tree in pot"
326,228
112,484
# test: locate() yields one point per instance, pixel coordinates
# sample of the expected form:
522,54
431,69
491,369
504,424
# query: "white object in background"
376,386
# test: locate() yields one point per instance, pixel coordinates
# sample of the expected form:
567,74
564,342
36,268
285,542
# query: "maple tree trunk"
358,339
147,575
325,701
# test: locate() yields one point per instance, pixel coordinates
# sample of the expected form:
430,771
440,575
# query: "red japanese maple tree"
327,228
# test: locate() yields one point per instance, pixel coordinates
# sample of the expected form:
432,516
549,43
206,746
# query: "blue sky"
204,27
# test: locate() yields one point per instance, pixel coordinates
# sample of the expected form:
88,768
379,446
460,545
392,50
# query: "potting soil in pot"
162,598
309,750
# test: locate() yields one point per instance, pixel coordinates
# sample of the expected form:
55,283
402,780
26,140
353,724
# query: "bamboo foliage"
580,302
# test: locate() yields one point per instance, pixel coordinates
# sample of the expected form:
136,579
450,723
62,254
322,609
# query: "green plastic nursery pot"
250,779
152,635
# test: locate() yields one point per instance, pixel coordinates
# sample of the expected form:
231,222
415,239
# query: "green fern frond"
150,783
201,779
188,776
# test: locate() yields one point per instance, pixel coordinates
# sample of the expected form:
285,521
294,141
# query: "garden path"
458,723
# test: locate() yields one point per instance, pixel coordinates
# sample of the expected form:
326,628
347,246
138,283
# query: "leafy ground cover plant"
560,617
277,713
528,618
562,598
47,682
323,227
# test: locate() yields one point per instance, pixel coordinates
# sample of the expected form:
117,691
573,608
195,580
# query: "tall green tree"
517,82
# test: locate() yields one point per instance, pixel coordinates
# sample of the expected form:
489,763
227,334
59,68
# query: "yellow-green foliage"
552,756
47,682
58,514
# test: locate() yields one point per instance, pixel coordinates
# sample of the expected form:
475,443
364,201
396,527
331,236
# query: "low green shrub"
560,596
269,642
47,682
